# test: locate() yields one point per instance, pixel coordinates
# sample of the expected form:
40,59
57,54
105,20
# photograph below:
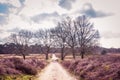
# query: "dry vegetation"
36,56
99,67
12,66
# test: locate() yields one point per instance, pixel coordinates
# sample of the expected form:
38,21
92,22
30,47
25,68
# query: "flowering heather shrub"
2,70
20,66
12,71
105,67
36,63
66,64
26,69
6,70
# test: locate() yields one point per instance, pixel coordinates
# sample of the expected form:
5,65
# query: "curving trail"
54,71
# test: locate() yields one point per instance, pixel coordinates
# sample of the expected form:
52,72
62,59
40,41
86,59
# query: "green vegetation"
17,77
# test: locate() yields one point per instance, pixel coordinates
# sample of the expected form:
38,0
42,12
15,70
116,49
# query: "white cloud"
36,14
45,16
66,4
34,7
89,10
110,42
15,3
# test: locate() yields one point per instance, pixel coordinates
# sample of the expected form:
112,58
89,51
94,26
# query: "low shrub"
66,64
105,67
104,52
26,69
2,70
18,66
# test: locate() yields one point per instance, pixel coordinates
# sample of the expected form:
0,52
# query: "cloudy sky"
36,14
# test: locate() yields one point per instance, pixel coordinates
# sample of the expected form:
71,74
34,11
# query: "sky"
43,14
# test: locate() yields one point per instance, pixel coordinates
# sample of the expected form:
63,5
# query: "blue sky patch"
4,8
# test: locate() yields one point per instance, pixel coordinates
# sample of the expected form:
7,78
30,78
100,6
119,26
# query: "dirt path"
54,71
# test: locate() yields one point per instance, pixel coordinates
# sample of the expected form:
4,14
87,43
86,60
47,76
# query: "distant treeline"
11,48
112,50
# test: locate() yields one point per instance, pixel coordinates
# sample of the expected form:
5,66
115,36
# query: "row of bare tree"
69,33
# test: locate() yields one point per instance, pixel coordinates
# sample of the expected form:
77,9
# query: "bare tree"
87,35
60,37
22,40
44,37
71,40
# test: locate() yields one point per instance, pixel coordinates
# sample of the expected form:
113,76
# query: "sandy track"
54,71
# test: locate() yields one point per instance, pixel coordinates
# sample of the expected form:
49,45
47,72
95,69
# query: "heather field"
59,39
97,67
35,67
15,68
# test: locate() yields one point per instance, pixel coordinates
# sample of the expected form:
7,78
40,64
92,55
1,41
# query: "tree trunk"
24,56
73,53
62,53
62,58
48,49
46,56
82,54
